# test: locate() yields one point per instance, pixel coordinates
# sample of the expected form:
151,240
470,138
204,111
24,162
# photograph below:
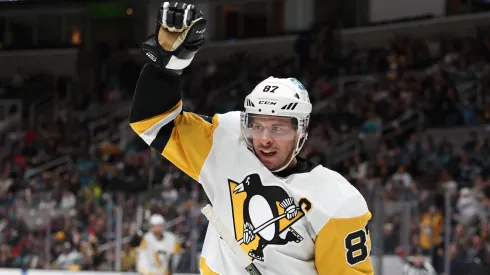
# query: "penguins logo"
262,215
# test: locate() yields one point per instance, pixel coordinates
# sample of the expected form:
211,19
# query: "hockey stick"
267,223
225,234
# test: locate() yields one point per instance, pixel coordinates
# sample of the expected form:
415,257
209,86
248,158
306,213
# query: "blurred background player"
418,265
156,249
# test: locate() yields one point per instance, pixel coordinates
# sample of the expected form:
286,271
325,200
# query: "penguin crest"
261,213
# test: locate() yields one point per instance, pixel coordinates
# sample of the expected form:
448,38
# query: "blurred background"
401,96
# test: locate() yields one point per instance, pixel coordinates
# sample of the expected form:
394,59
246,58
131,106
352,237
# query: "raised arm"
184,138
156,115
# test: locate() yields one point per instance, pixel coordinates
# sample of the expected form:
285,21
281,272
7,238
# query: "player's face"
274,140
419,260
157,229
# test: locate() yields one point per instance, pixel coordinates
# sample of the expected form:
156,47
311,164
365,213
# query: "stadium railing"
120,240
10,122
126,239
468,85
390,224
411,121
459,135
396,223
100,129
40,210
343,149
58,165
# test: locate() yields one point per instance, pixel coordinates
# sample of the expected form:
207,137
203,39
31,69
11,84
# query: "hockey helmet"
156,219
283,97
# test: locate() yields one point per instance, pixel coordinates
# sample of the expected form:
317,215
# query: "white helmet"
284,97
157,219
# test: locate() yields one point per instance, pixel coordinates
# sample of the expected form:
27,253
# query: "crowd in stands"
443,81
424,168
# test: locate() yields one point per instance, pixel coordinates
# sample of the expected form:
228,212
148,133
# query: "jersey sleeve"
177,247
343,244
184,138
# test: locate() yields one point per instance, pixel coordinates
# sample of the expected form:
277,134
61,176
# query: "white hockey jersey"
327,235
154,254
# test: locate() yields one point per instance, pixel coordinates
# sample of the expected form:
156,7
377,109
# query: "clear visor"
270,127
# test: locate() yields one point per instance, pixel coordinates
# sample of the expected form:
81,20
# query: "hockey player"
156,249
291,216
418,265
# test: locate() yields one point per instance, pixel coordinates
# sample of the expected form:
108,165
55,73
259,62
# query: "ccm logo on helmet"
265,102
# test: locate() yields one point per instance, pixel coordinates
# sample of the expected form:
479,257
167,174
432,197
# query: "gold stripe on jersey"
205,270
143,244
343,247
141,126
177,247
190,143
156,257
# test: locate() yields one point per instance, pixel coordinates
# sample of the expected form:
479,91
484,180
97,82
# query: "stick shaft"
230,240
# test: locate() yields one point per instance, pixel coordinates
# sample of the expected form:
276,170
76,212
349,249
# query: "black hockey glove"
179,35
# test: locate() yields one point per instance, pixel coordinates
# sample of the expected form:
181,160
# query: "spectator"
468,208
431,229
68,200
128,258
359,169
402,178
